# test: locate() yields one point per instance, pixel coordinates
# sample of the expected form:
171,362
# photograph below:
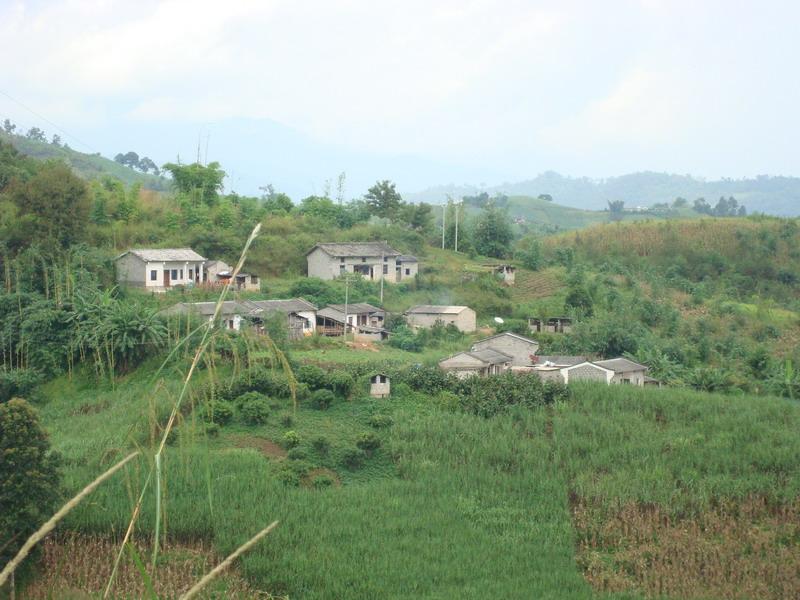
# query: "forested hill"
770,195
87,166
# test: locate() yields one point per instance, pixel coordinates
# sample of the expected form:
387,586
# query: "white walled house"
372,260
480,363
158,270
427,315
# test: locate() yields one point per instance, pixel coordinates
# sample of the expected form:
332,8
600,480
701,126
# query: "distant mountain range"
771,195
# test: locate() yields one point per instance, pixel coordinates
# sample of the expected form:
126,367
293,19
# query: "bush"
219,412
353,458
296,454
322,482
18,383
368,442
321,445
290,439
248,397
322,399
286,419
212,429
313,376
405,339
255,411
381,421
341,383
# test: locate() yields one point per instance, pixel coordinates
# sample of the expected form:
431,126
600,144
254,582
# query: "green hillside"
88,166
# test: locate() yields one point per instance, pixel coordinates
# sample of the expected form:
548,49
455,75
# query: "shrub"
18,383
353,458
322,399
368,442
248,397
290,439
219,412
286,419
321,445
29,477
312,376
296,454
381,421
341,383
323,481
212,429
255,411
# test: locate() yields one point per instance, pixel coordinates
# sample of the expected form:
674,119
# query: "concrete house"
549,367
364,320
625,371
480,363
587,371
427,315
519,348
157,270
371,260
239,314
217,272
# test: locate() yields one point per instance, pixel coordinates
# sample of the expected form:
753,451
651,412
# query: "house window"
385,269
341,268
153,275
174,274
341,260
181,273
363,259
191,272
408,271
385,259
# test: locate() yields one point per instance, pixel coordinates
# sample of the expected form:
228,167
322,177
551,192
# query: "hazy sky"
470,88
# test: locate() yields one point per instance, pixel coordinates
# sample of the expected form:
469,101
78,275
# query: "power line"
46,120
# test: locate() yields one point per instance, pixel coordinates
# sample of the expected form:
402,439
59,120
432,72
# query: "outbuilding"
427,315
379,386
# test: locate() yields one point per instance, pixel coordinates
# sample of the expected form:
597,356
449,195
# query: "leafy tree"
275,202
418,216
680,202
146,165
56,141
616,209
701,206
203,182
492,235
383,200
578,299
29,476
545,197
9,127
34,133
530,253
58,201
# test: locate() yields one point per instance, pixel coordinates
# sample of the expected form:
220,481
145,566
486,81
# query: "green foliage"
218,412
290,439
29,476
255,411
353,458
19,383
200,182
383,200
368,442
492,234
380,421
321,445
489,396
322,399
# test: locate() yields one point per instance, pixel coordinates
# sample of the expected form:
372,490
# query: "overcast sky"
472,89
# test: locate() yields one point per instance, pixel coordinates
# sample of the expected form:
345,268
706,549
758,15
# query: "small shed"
379,386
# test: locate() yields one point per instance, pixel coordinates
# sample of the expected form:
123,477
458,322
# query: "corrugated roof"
344,249
431,309
491,356
620,365
165,254
287,306
206,309
404,258
355,308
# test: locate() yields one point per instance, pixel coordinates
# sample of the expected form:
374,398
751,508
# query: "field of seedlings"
616,492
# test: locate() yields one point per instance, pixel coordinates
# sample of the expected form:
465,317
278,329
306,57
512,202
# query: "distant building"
158,270
506,273
522,350
551,325
625,371
363,320
612,371
217,272
379,386
427,315
480,363
371,260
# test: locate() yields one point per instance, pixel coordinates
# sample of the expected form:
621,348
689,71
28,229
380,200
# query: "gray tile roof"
491,356
508,334
345,249
406,258
287,306
620,365
206,309
165,254
430,309
356,308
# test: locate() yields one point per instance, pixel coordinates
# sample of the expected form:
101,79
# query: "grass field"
556,502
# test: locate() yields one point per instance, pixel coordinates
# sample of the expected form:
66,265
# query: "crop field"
616,492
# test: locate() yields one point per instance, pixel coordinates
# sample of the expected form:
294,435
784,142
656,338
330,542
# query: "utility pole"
444,212
457,207
346,298
383,270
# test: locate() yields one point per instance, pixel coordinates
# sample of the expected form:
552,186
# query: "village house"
371,260
157,270
425,316
363,320
217,272
522,350
611,371
625,371
478,363
239,314
551,325
549,367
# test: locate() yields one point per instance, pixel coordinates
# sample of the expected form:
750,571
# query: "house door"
166,277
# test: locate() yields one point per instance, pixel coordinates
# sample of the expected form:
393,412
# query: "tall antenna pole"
383,268
444,213
458,207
